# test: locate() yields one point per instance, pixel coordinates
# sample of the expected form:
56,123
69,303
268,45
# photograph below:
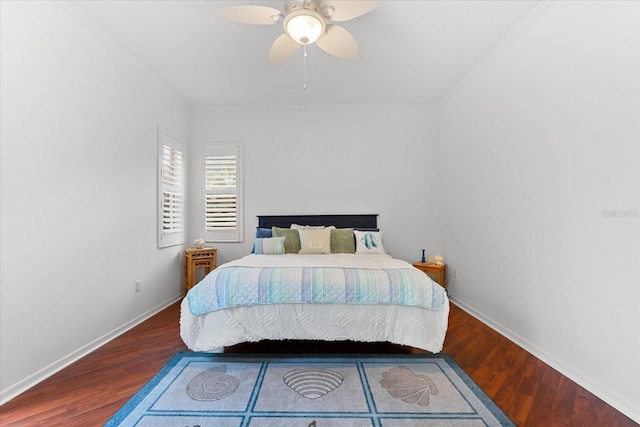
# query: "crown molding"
513,35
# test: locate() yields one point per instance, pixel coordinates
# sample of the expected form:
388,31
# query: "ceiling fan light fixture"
304,26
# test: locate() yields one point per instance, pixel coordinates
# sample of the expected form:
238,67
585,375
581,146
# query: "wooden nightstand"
206,258
438,273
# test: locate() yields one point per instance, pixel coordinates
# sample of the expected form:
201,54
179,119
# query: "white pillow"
315,241
310,227
368,242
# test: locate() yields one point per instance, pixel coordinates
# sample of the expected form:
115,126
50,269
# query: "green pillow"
291,241
343,241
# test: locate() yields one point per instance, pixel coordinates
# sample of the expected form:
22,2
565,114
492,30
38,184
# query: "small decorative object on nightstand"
198,258
437,272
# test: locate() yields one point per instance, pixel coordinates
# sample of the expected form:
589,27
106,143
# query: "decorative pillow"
292,241
368,242
269,246
315,241
342,241
261,233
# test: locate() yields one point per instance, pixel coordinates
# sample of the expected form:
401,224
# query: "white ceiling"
411,52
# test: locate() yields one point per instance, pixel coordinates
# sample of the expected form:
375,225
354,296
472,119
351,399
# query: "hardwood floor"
89,391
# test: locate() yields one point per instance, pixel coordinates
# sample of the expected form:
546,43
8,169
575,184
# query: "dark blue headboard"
361,221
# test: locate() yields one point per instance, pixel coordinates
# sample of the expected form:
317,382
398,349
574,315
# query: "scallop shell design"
411,387
313,383
212,384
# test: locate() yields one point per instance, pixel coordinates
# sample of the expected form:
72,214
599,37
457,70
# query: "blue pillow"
263,233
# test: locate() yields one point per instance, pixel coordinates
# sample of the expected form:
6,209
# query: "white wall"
533,148
536,148
332,159
78,216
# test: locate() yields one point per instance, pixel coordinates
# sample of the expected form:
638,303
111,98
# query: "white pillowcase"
306,227
368,242
315,241
311,227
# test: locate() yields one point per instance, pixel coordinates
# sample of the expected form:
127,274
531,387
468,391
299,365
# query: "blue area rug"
234,390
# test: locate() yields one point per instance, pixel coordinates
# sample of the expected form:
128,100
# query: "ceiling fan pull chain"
304,68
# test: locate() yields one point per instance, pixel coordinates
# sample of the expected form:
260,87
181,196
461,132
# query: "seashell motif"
313,383
411,387
212,384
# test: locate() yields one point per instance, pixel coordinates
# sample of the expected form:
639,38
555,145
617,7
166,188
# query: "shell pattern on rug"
410,386
212,384
313,383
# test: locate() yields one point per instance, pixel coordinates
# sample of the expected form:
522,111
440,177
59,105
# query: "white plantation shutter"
172,201
171,190
222,173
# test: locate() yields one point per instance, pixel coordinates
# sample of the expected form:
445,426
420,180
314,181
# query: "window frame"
172,238
221,149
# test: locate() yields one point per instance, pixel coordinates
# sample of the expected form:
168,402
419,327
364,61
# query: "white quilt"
373,261
405,325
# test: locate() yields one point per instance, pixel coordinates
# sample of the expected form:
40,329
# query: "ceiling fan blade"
282,49
338,42
250,14
343,10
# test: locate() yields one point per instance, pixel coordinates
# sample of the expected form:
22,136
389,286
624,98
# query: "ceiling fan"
305,22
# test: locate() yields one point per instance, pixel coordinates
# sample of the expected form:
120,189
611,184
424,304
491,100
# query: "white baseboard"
44,373
630,409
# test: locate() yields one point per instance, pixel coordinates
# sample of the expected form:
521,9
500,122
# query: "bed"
345,288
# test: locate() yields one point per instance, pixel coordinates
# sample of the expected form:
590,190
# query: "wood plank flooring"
89,391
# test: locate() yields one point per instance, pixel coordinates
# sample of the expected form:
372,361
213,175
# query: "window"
170,190
222,195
